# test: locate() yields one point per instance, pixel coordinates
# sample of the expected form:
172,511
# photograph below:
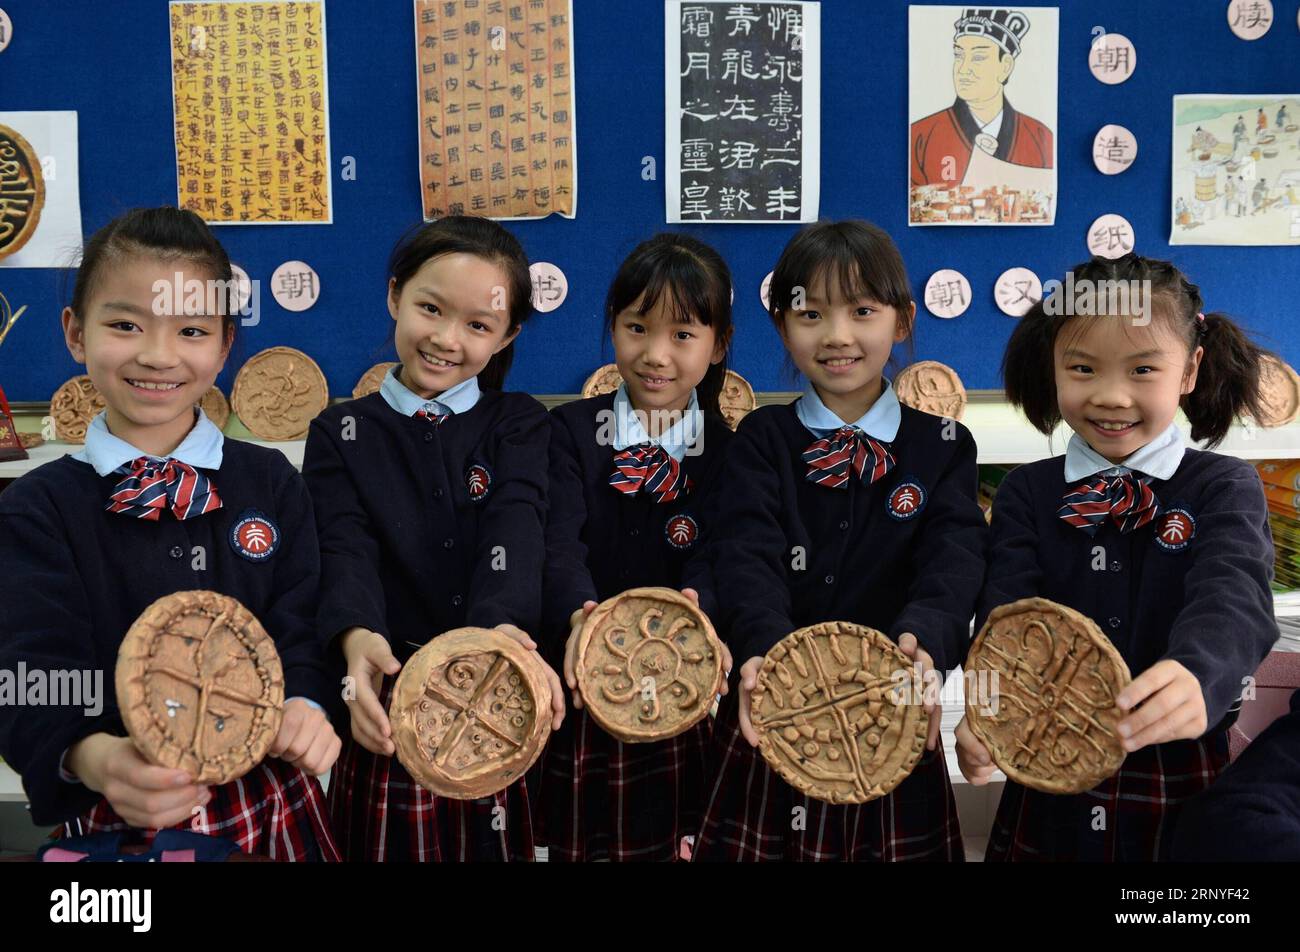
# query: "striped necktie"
429,412
847,449
154,485
648,467
1127,500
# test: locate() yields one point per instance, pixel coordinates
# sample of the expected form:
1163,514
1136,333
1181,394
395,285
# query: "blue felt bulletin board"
110,63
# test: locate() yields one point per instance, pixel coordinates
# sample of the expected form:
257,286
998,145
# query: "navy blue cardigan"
787,553
427,528
600,542
1199,597
75,578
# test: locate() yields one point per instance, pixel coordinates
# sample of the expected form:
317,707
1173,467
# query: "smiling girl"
843,506
431,502
1167,548
150,506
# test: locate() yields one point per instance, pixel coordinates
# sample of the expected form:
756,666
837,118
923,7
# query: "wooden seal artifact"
932,387
200,687
649,664
73,406
1040,695
840,712
216,407
470,713
22,191
278,393
1279,393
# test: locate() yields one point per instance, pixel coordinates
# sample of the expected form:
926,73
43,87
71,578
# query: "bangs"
855,258
690,294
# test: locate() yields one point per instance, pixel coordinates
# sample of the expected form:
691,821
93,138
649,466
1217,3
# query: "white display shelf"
11,786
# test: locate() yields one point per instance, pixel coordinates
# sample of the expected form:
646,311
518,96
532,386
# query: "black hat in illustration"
1006,28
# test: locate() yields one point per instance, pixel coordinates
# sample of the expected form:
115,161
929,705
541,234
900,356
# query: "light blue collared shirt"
676,441
1159,459
458,399
201,448
881,422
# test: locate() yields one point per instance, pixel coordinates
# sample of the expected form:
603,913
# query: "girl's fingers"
366,704
577,699
932,736
1154,709
1165,729
1146,684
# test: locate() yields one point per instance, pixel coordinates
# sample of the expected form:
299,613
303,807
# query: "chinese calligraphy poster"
251,106
982,147
1236,170
743,103
496,108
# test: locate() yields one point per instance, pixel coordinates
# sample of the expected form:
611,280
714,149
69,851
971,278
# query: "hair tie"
1200,324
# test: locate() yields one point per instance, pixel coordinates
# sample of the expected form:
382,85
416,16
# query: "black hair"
698,284
166,233
861,257
1227,382
482,238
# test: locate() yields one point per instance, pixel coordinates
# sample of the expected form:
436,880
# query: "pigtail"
1227,383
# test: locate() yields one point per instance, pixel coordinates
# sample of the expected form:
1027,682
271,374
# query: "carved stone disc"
278,393
371,380
605,380
649,664
737,399
932,387
839,712
1279,393
1040,695
470,712
200,687
73,406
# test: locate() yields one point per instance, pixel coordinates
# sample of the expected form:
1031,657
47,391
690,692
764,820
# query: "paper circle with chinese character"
278,393
1114,149
550,286
1279,393
839,712
649,665
295,286
200,686
1250,19
6,30
22,191
470,712
947,294
1040,695
1016,291
73,406
765,292
243,287
1112,58
1111,236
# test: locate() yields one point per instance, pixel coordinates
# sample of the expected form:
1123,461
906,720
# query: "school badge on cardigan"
906,501
254,536
682,531
1175,529
478,481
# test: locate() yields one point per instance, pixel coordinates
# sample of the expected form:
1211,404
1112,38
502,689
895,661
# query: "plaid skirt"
602,799
274,810
1124,819
754,815
381,814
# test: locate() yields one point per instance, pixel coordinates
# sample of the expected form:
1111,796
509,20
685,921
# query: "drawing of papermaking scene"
1236,170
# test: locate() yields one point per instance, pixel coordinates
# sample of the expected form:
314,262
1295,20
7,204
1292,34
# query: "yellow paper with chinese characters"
251,107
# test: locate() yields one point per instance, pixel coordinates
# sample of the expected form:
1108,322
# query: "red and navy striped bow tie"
153,485
649,467
848,448
430,412
1127,500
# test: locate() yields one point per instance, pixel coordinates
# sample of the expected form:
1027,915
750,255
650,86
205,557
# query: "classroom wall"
110,62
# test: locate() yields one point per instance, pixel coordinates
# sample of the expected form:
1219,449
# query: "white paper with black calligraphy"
743,111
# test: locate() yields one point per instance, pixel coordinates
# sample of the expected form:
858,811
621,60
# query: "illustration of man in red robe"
984,55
